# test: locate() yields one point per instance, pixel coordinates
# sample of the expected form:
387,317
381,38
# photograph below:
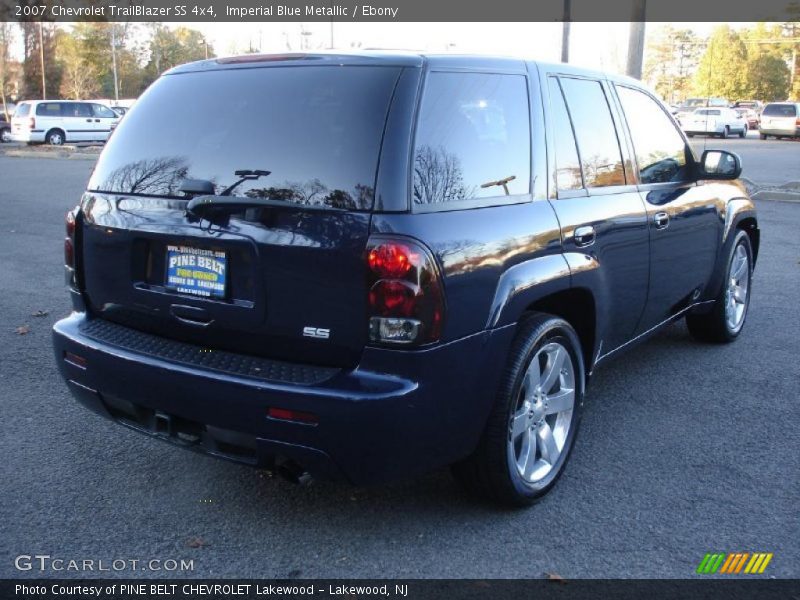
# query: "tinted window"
23,110
76,109
660,150
48,109
780,110
568,168
317,129
103,111
473,138
597,138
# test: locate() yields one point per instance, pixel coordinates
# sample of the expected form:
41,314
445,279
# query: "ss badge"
316,332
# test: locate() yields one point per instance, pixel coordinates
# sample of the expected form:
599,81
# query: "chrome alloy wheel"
738,289
538,429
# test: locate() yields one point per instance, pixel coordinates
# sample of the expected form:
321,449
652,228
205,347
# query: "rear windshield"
779,110
708,112
23,110
317,130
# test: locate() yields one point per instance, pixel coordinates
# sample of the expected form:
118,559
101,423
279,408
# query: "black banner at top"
400,10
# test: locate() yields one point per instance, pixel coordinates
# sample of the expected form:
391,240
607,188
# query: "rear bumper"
397,414
795,132
26,135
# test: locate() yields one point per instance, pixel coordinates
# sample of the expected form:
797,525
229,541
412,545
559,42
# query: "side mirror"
720,164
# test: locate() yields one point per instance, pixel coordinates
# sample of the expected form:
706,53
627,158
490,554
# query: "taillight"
69,253
32,123
406,301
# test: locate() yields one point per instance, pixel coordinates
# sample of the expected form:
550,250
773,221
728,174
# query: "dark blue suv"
372,265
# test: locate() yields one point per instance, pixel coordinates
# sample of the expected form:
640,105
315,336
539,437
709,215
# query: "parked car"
688,107
755,105
5,129
721,122
57,122
120,110
313,289
750,117
780,119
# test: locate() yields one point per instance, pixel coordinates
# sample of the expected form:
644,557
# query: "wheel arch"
570,286
740,215
577,307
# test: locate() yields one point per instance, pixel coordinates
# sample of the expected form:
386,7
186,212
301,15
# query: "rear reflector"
75,360
284,414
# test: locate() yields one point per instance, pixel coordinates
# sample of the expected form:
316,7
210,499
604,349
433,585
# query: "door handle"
97,120
88,120
584,236
661,220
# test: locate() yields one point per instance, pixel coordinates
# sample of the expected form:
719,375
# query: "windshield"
695,102
316,130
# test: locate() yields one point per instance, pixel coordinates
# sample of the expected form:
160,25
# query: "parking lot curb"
777,195
62,155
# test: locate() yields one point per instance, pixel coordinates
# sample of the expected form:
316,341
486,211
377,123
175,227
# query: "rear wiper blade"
246,175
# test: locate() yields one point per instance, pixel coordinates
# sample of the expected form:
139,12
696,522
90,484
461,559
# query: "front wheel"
743,132
5,135
763,136
725,133
532,427
724,322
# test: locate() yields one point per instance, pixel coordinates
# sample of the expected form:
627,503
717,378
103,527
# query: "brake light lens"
69,252
406,299
32,123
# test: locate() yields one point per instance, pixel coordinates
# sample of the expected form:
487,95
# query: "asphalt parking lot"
685,449
765,162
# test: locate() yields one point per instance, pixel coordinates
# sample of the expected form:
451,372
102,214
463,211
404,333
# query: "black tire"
491,472
725,133
5,135
743,132
713,326
55,137
763,136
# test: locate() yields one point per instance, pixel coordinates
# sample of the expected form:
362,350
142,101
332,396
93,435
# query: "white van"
780,119
59,121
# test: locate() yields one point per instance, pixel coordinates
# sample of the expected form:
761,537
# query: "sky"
601,46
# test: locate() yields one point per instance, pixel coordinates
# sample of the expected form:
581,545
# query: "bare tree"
438,176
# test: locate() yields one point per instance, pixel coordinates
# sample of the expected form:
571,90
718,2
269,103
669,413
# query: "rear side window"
48,109
568,166
780,110
472,139
76,109
660,149
317,130
598,145
103,111
23,110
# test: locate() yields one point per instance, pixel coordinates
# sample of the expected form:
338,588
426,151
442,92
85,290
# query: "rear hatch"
780,117
283,280
21,120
